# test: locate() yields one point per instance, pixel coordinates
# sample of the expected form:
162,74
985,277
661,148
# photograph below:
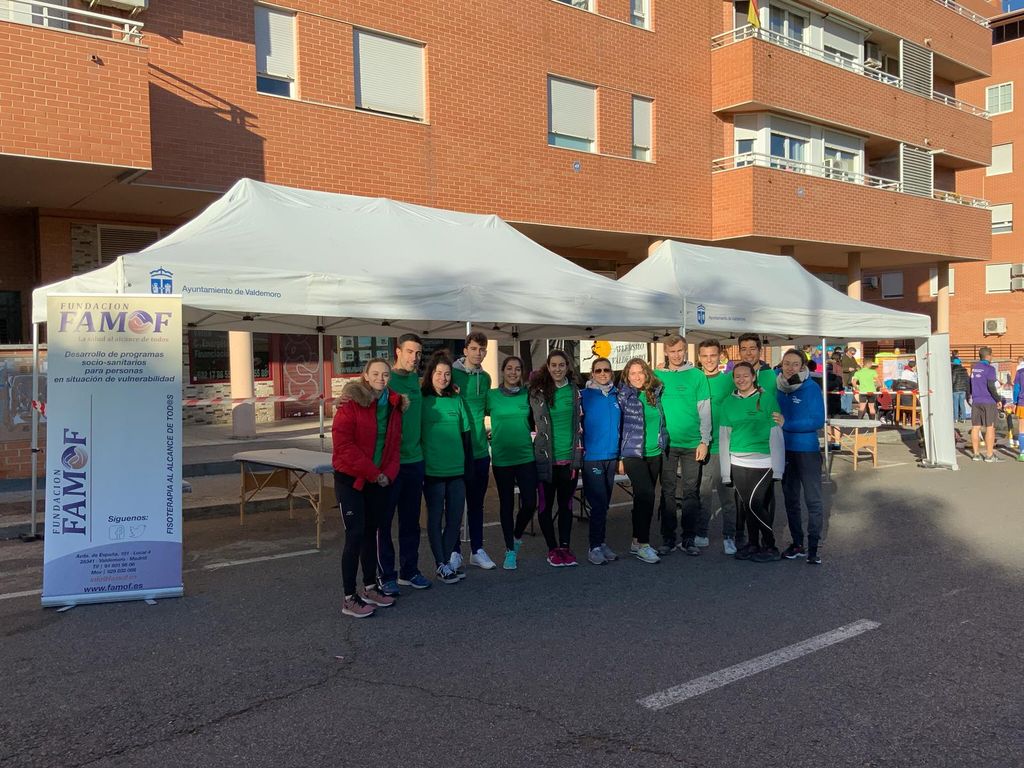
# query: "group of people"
979,389
696,431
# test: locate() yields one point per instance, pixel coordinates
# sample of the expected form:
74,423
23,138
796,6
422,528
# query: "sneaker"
729,546
993,459
634,547
481,560
690,547
555,558
419,581
766,555
446,574
813,558
390,588
702,541
666,548
609,553
373,596
1020,457
510,561
460,573
568,558
746,552
793,551
455,561
354,606
647,554
596,556
516,545
977,457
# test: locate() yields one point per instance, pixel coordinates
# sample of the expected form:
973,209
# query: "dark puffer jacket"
634,426
543,447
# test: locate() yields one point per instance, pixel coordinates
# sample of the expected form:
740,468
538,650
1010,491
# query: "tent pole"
320,373
682,328
35,424
824,393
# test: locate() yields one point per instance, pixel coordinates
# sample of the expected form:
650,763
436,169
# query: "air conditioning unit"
1017,270
124,5
871,282
1017,283
872,56
995,326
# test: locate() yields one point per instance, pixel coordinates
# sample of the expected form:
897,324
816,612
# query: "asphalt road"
542,667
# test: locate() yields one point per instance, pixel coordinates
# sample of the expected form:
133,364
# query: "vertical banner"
113,449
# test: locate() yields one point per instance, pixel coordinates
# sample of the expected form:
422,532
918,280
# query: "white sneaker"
481,560
634,547
701,541
729,546
647,554
455,561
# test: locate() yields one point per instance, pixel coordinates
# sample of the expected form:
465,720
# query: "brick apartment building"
849,134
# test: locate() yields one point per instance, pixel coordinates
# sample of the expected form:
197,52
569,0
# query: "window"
642,128
744,152
571,108
389,75
997,278
892,285
209,358
1002,219
584,4
1002,160
933,281
844,45
788,24
839,164
639,15
24,12
788,148
118,241
1007,32
999,98
275,51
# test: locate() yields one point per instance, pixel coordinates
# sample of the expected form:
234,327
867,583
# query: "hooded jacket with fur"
354,433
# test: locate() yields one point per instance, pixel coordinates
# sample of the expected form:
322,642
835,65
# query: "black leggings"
561,488
643,476
361,511
755,503
507,478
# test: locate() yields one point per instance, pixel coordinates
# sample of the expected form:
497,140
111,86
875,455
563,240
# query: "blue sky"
1012,5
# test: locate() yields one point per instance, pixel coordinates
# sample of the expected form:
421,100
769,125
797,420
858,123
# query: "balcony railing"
64,19
965,12
833,172
760,33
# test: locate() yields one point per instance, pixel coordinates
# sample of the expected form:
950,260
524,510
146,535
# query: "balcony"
75,85
755,69
761,197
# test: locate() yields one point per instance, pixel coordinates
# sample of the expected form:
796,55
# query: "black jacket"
961,379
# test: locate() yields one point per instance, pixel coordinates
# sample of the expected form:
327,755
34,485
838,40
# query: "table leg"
241,496
319,510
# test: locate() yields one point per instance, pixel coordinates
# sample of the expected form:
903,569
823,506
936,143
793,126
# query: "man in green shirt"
474,383
721,386
687,405
407,491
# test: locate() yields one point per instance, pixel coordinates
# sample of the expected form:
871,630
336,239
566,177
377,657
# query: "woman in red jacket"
367,433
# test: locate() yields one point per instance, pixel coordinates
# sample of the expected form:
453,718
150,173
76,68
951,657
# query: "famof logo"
74,457
140,321
702,314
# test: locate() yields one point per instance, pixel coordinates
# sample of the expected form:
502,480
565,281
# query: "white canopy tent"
724,292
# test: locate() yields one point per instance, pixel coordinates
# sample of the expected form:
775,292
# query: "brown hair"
477,336
649,380
541,382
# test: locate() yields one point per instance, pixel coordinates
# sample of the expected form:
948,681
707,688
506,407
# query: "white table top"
318,462
855,423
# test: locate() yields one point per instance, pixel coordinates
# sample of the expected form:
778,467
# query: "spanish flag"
754,15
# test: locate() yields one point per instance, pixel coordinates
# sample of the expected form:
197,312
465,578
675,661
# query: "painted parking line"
265,558
680,693
26,593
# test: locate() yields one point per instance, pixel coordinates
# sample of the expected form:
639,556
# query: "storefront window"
209,358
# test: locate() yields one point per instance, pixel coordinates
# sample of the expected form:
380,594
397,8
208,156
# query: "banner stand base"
70,601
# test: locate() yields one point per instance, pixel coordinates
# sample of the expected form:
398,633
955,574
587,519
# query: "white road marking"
680,693
27,593
232,563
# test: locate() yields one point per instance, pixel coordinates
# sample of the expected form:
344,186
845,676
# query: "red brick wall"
16,457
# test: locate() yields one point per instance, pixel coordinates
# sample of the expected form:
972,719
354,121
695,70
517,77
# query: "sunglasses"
601,370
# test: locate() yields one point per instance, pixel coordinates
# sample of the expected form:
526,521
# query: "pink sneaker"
568,558
355,607
374,596
555,558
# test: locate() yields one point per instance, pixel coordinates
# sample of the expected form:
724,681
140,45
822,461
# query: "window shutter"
892,285
843,38
1002,160
389,75
1002,217
641,123
916,68
275,42
572,108
117,241
997,278
916,171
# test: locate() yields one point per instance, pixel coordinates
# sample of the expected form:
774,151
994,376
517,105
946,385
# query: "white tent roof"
729,292
276,259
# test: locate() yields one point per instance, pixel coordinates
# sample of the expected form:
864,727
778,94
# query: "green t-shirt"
408,383
866,380
382,429
444,421
751,427
652,427
768,380
474,388
511,442
561,423
683,390
722,386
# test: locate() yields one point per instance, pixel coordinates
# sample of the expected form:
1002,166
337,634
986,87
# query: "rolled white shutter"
389,75
572,108
843,38
641,122
1002,160
1002,214
275,42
